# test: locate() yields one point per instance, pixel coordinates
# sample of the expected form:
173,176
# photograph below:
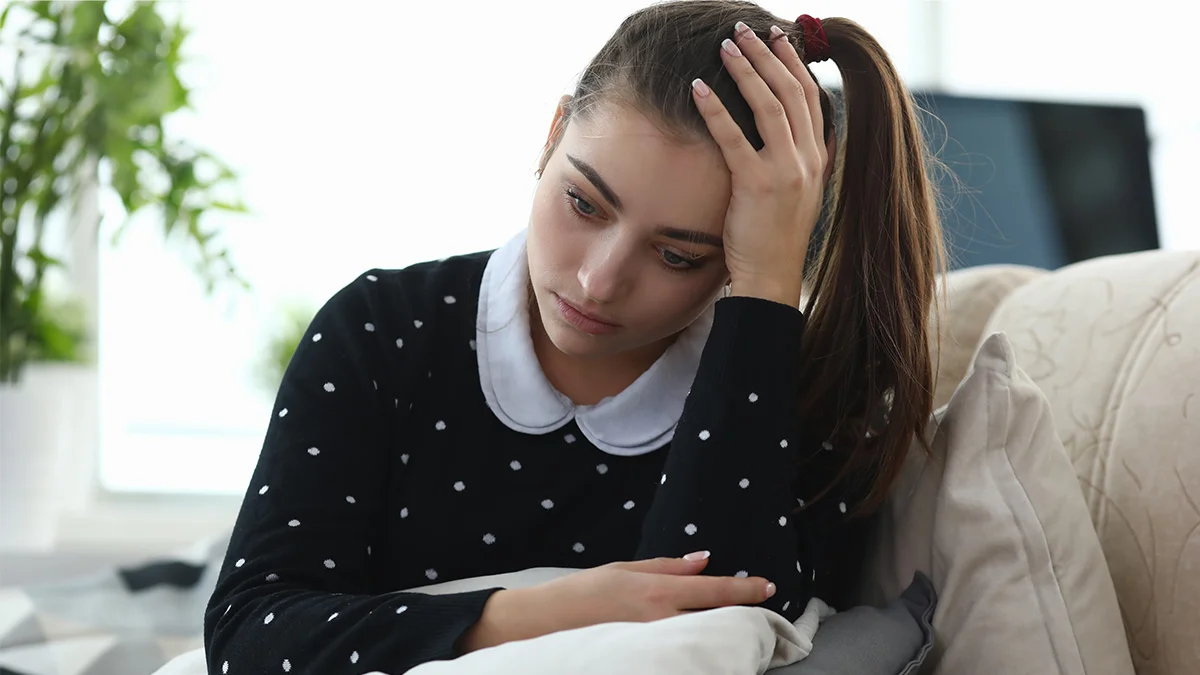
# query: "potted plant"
292,321
83,111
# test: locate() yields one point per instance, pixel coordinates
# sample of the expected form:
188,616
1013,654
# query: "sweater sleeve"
728,485
298,590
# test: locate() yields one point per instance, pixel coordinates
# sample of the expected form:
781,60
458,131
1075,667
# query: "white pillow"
998,521
726,641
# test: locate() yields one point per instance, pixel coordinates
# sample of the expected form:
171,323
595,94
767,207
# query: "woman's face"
626,228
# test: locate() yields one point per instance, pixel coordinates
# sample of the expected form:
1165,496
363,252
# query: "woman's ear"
831,153
557,125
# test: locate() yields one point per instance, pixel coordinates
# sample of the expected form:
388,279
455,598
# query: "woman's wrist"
784,289
508,615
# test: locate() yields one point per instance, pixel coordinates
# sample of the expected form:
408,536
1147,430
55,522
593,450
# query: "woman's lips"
583,321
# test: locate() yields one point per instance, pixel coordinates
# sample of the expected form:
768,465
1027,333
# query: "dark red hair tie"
816,45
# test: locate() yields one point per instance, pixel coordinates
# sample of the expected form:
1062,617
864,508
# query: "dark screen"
1044,184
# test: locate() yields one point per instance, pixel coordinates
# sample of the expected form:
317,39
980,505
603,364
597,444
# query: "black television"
1040,183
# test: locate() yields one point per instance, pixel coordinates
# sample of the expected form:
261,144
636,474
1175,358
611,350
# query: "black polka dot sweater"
403,450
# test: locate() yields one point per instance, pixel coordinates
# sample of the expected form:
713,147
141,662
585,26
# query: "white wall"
364,138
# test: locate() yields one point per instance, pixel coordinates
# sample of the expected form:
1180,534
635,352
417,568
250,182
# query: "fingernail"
701,88
730,48
776,32
770,589
698,555
740,28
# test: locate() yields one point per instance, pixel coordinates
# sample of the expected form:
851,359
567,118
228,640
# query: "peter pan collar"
636,421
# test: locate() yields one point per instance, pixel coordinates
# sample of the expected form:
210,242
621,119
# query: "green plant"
281,345
88,96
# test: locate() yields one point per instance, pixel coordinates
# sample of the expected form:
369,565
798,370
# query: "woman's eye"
582,204
677,261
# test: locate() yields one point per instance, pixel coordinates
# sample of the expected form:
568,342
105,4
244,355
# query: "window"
367,135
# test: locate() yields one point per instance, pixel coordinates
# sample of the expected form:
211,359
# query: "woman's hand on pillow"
644,590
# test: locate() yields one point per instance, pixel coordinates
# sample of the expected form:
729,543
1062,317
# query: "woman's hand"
777,191
645,590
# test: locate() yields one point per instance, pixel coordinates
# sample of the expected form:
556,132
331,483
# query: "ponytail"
866,379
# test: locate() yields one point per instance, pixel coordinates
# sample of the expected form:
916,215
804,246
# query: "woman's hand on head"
644,590
778,190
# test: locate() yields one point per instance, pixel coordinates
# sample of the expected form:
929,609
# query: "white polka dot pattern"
728,423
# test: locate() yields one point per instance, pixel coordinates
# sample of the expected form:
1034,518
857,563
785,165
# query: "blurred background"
273,151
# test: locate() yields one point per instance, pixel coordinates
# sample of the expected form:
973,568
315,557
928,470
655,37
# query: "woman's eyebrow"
689,236
594,178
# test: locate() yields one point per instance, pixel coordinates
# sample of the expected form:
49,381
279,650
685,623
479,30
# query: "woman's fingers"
770,115
783,89
738,153
705,592
678,566
787,55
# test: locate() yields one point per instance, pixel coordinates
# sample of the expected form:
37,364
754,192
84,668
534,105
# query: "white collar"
636,421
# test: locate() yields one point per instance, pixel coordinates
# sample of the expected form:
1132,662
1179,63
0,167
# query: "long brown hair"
866,376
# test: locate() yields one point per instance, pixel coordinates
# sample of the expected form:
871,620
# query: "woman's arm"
295,591
728,485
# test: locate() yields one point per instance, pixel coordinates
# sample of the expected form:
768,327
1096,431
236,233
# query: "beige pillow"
999,523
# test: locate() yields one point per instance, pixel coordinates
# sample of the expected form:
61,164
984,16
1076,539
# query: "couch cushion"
996,519
966,300
1115,344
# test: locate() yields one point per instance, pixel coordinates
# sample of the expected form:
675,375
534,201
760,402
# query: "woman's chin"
573,342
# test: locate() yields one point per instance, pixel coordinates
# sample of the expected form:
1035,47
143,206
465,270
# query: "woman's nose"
604,275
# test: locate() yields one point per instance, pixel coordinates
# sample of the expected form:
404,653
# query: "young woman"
628,387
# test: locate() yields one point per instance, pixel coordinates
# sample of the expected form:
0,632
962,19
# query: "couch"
1115,344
